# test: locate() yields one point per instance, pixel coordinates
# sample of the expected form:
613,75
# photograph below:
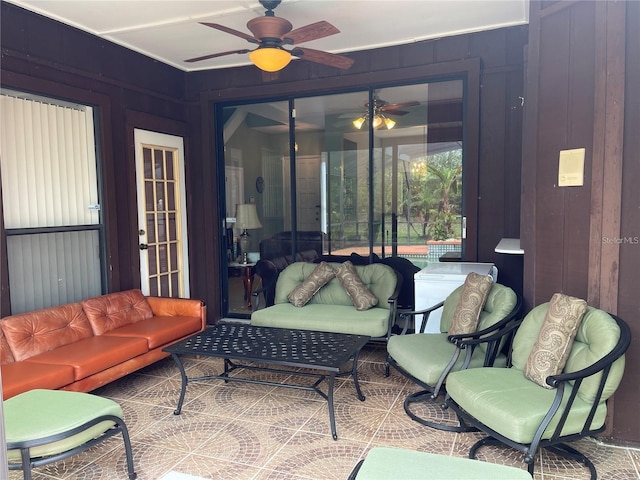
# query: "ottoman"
44,426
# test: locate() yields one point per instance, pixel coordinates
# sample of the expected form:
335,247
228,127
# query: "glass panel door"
256,173
418,170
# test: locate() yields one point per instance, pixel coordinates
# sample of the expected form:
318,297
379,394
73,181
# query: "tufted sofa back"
32,333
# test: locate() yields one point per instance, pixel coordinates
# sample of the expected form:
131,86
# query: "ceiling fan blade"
393,111
325,58
232,31
395,106
310,32
214,55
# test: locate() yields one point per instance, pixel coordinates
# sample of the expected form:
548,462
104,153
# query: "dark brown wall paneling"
626,422
43,56
578,54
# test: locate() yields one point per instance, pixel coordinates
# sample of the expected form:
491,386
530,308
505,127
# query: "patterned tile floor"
245,431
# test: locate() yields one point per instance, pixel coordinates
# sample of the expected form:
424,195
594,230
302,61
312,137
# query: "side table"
247,278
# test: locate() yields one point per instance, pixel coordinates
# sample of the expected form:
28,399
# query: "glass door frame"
467,70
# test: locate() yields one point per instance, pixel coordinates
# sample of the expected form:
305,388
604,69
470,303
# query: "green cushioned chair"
427,359
44,426
399,464
514,411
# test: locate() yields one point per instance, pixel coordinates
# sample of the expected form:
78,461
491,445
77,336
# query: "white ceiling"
168,30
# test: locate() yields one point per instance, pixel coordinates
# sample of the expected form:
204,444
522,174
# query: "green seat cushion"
325,318
425,356
504,400
399,464
39,414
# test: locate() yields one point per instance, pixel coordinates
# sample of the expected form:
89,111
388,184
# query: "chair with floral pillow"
567,360
427,359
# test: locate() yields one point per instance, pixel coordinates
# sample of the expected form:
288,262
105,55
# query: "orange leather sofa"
82,346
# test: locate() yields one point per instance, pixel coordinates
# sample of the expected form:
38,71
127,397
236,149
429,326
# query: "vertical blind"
49,183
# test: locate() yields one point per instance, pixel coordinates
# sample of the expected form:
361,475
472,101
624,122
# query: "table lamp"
246,219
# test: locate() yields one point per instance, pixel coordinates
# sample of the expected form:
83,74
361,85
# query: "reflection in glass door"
418,170
374,171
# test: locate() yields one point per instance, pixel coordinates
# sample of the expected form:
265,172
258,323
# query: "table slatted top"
294,348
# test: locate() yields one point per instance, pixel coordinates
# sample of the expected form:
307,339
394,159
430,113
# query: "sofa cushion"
114,310
555,339
361,296
22,376
326,318
33,333
159,331
474,293
306,289
94,354
5,352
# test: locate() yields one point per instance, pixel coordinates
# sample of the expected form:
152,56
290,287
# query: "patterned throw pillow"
555,339
361,296
472,299
303,292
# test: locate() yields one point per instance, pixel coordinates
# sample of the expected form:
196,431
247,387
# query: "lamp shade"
247,216
270,59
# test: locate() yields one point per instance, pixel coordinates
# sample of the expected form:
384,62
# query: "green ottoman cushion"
42,413
386,463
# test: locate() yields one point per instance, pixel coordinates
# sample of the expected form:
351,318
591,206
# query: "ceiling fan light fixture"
377,121
359,122
270,59
389,123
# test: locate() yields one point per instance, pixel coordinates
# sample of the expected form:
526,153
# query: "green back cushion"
378,278
596,337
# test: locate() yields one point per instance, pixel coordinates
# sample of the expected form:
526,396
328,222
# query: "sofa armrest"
174,307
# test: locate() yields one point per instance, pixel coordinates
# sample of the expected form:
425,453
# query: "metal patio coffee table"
268,349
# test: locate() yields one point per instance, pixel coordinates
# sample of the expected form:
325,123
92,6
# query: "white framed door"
162,217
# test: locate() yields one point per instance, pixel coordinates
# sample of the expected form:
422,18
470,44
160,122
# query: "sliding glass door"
375,171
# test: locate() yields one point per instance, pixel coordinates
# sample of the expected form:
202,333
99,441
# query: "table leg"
248,286
354,374
183,390
332,416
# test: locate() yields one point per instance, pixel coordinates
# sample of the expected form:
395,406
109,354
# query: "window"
50,199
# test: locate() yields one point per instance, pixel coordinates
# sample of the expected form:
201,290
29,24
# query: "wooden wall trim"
9,54
608,129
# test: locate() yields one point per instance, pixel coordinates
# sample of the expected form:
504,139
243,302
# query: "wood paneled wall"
129,90
582,92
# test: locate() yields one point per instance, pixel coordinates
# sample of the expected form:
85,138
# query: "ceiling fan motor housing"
269,27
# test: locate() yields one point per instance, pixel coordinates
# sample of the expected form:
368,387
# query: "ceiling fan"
380,109
272,33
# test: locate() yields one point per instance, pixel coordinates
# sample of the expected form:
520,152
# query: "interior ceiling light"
381,110
378,120
270,59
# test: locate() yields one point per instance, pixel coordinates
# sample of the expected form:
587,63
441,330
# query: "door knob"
143,246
